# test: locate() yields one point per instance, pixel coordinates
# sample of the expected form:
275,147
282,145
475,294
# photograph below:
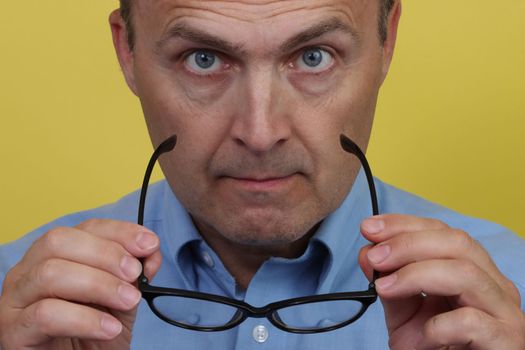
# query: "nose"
262,121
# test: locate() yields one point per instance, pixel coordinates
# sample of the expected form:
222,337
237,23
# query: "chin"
253,238
280,224
267,230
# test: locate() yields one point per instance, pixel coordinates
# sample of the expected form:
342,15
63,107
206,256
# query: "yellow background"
450,124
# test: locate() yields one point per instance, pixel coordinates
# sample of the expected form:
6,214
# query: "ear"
124,52
390,43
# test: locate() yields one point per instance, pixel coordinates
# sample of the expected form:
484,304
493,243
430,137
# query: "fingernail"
129,295
110,326
373,225
386,282
379,253
147,241
130,267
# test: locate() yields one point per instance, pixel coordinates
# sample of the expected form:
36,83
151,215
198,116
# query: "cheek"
175,102
170,108
347,107
355,103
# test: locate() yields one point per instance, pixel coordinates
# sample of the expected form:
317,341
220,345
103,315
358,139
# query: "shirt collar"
340,234
178,233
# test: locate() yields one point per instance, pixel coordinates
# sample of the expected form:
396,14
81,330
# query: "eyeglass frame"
245,310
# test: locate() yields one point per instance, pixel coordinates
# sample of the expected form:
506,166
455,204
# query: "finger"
152,264
136,239
364,262
466,327
406,248
410,314
52,318
85,248
403,310
382,227
56,278
462,280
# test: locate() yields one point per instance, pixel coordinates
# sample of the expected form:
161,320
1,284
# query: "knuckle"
436,330
463,240
46,272
471,318
39,315
476,322
90,223
513,291
55,238
436,224
430,329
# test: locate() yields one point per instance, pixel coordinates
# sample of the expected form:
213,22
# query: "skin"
41,309
470,304
258,162
258,166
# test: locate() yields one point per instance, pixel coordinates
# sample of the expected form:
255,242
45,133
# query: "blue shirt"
329,264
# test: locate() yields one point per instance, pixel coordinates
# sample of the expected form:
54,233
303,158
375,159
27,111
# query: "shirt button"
208,260
260,334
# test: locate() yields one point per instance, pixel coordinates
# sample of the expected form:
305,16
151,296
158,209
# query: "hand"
74,288
470,304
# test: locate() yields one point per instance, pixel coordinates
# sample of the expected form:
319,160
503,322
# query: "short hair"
384,11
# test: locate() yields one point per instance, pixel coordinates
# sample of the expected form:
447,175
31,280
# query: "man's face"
258,93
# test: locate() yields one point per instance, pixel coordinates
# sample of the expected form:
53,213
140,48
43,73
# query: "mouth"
260,183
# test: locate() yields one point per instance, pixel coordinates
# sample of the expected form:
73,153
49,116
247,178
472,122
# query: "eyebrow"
184,31
324,27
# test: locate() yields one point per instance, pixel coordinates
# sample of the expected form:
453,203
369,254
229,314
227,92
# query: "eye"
314,60
203,62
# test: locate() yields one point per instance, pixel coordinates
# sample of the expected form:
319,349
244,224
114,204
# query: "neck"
243,260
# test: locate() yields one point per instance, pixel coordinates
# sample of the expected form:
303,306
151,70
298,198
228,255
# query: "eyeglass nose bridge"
270,311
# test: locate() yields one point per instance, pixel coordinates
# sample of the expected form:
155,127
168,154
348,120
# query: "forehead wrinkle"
261,9
324,27
172,29
257,10
187,32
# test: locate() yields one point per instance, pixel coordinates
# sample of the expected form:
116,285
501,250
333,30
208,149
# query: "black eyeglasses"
210,313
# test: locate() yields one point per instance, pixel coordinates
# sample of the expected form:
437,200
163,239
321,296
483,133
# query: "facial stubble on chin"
233,224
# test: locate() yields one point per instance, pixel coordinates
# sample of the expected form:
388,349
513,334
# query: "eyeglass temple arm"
166,146
351,147
169,144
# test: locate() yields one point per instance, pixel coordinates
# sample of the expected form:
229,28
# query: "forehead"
260,17
253,9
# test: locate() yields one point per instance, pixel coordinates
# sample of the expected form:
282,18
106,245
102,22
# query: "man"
261,203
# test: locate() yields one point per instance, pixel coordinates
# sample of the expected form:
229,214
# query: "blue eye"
314,60
203,61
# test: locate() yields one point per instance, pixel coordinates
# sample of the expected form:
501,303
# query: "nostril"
260,140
